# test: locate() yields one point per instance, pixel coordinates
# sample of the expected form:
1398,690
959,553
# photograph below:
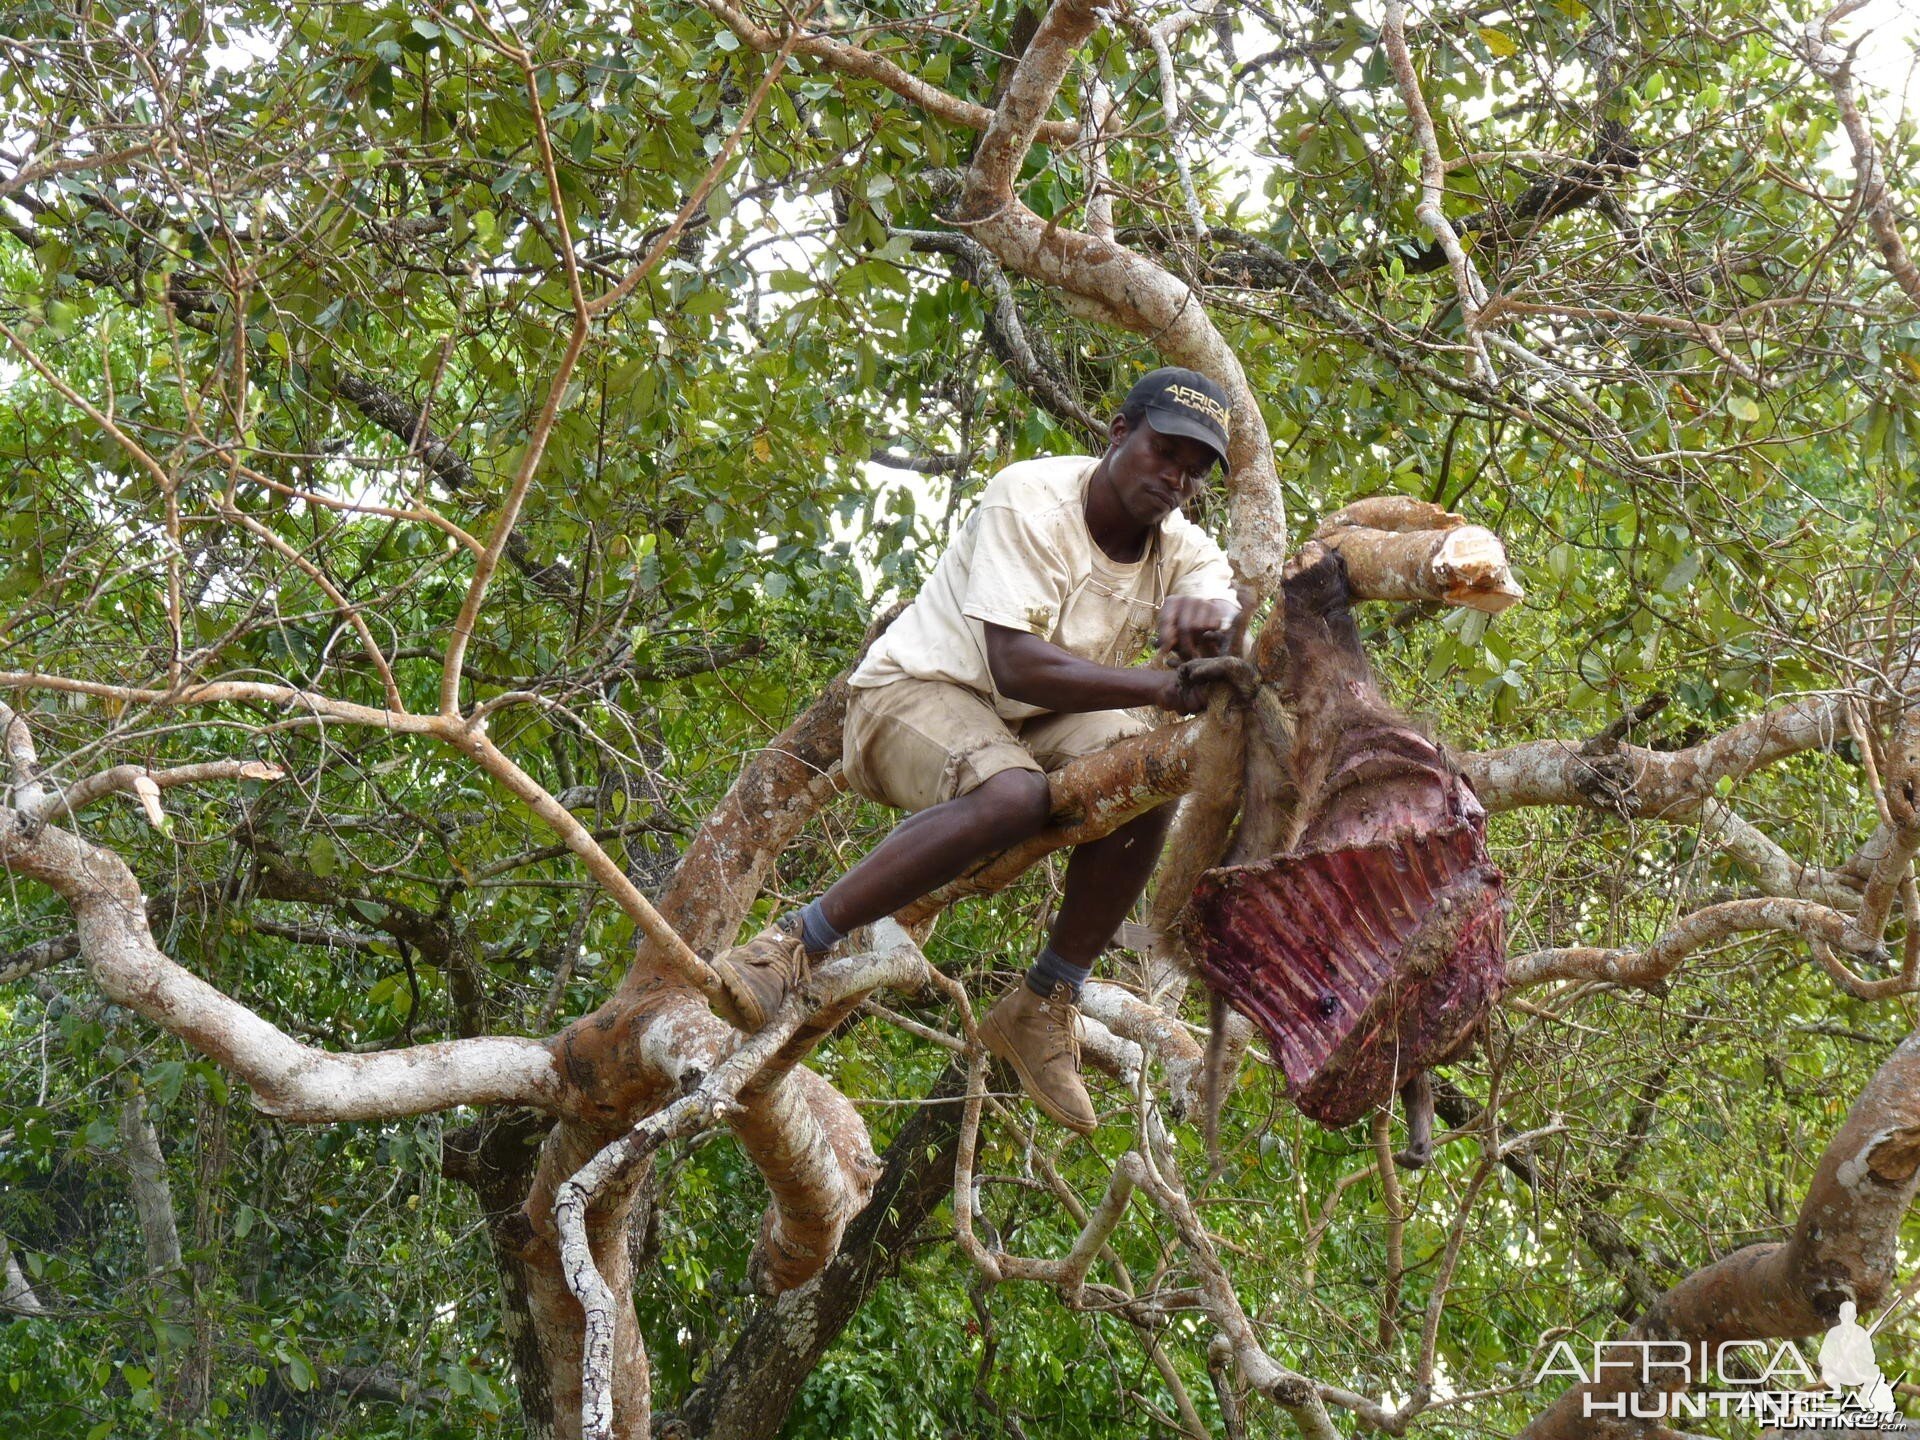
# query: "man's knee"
1150,827
1013,805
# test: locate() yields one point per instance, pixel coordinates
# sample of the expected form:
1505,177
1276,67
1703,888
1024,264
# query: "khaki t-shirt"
1025,560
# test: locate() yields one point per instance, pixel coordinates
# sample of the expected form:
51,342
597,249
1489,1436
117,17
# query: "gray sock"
816,931
1050,970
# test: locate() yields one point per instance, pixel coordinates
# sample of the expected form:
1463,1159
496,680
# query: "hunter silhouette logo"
1767,1382
1847,1362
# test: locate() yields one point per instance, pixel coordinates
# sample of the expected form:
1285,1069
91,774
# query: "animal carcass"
1371,944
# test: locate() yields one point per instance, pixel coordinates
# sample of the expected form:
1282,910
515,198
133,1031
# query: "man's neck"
1120,537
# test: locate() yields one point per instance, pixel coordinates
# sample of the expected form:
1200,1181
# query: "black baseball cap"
1183,402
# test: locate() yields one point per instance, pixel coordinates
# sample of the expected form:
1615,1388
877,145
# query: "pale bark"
16,1291
1156,1032
290,1080
152,1193
559,1332
1402,549
1816,924
23,763
1472,291
141,782
1835,66
748,1394
1777,872
819,1180
1651,784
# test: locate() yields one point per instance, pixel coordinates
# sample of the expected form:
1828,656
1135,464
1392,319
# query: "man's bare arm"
1036,672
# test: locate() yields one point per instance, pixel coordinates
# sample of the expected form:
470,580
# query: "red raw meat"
1372,945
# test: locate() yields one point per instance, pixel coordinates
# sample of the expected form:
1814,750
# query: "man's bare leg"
922,854
1104,879
930,848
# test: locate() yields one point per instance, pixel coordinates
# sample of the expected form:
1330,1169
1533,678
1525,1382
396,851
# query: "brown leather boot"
758,975
1039,1039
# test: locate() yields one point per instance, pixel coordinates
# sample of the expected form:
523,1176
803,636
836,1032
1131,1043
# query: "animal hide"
1370,947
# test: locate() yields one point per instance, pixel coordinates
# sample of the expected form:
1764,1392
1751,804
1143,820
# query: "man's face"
1155,474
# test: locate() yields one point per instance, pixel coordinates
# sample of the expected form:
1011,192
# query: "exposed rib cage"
1364,965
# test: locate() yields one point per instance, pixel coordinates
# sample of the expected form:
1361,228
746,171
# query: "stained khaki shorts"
915,743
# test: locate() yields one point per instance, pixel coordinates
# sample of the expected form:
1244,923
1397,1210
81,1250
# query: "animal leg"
1417,1096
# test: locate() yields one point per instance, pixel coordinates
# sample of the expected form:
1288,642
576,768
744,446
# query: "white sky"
1886,59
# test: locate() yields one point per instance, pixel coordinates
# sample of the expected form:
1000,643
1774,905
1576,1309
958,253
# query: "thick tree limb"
1777,872
1816,924
31,959
1654,784
1155,1032
290,1080
24,789
1397,548
748,1394
152,1194
799,1253
1114,285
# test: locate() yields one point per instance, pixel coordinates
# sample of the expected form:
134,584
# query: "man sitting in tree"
1017,656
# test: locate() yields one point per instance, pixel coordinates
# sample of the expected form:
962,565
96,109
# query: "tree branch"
290,1080
895,962
1843,1247
42,955
131,779
853,61
1027,354
1816,924
1835,67
1655,784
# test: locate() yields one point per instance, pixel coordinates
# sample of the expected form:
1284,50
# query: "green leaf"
1682,574
300,1372
323,856
163,1081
